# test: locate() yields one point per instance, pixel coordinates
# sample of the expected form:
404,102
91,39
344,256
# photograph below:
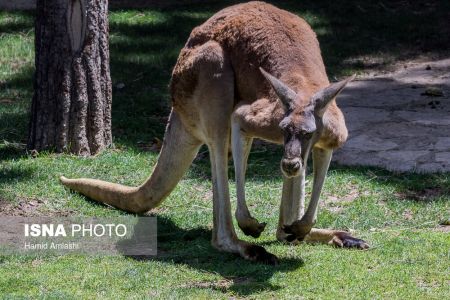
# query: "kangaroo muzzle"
291,167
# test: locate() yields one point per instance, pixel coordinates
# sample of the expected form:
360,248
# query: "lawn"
398,214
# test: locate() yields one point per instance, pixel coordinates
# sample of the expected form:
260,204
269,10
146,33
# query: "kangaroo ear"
286,95
322,98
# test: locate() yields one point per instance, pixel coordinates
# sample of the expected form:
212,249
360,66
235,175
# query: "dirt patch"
426,194
426,284
408,214
382,64
29,208
336,204
443,228
352,195
222,284
24,208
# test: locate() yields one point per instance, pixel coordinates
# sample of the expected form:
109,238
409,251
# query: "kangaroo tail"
177,153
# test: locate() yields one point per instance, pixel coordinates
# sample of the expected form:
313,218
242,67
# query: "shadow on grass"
12,151
193,248
14,174
23,22
14,106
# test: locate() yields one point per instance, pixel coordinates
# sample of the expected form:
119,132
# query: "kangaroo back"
257,34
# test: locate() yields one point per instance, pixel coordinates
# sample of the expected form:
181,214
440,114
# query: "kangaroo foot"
343,239
248,251
296,233
297,230
259,254
250,226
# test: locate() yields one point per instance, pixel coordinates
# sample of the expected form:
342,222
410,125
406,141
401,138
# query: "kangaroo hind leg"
224,236
214,98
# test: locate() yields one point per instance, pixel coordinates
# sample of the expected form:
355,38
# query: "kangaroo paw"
259,254
297,230
345,240
250,226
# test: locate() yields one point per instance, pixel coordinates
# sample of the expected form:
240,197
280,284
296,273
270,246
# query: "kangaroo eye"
307,135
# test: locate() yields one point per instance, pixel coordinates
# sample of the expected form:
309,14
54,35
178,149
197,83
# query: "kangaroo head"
302,123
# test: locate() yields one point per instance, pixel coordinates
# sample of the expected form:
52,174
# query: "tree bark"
71,107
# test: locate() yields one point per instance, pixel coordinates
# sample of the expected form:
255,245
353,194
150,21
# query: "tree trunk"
71,108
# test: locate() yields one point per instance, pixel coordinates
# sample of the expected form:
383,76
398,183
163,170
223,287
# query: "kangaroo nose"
291,166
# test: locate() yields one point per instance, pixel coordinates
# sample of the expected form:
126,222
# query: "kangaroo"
250,71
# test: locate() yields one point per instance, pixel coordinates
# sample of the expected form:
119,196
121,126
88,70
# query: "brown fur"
215,80
264,36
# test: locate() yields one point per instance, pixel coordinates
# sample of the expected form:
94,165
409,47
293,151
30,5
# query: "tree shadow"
366,35
14,173
143,62
352,33
12,151
14,114
23,23
353,28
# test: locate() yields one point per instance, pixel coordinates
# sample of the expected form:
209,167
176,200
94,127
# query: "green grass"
398,214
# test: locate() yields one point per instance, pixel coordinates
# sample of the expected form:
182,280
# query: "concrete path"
399,121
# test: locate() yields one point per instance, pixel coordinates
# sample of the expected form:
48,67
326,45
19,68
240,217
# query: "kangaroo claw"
298,229
259,254
251,227
345,240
